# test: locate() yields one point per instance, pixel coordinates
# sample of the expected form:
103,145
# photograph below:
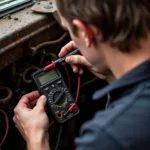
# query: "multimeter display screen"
48,77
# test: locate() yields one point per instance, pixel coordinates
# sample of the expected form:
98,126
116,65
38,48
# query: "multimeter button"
46,89
52,85
59,82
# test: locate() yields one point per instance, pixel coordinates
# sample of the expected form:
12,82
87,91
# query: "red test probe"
59,61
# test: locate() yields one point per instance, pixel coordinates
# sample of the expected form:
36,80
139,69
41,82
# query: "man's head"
119,23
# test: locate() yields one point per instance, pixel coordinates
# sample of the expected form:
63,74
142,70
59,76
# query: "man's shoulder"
138,100
124,122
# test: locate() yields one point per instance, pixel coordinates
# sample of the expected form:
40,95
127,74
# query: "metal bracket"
44,7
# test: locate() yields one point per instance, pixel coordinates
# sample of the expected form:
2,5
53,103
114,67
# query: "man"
113,36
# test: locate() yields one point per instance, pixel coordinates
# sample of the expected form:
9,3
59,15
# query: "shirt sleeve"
94,137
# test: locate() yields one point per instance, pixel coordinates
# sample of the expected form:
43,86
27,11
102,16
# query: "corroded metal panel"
22,30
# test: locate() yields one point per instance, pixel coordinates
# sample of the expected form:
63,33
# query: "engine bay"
34,44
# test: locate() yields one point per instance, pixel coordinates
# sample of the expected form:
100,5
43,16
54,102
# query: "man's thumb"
41,101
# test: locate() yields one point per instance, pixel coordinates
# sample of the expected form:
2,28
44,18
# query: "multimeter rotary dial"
59,97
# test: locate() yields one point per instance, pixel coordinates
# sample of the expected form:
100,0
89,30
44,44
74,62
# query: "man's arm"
38,143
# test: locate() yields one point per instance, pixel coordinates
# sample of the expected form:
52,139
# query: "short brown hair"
122,22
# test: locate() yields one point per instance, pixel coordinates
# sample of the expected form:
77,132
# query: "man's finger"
41,102
75,68
28,98
81,71
67,48
77,60
33,95
33,103
14,119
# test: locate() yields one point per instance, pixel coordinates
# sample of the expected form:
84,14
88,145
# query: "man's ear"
87,31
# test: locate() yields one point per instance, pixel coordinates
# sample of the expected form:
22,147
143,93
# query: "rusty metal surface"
44,6
22,30
13,26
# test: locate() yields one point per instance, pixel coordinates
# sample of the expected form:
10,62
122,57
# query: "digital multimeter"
51,84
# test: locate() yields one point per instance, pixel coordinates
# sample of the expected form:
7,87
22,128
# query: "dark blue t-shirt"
125,125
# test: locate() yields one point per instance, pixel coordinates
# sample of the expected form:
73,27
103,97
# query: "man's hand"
65,50
31,120
78,61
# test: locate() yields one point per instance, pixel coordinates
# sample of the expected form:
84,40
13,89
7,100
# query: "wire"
89,82
78,88
59,136
27,73
51,123
68,77
74,106
7,127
